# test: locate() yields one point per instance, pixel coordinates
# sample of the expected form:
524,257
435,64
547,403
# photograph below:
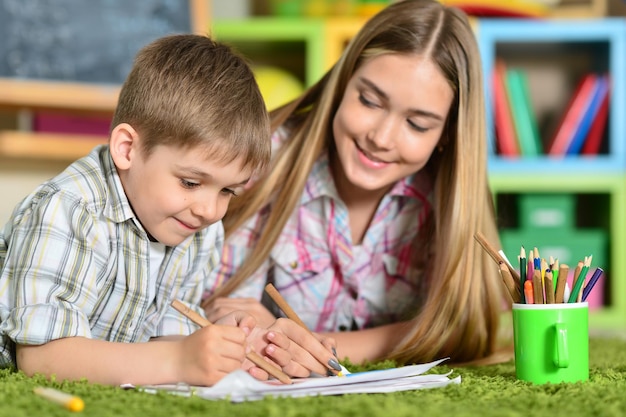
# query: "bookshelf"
306,47
555,55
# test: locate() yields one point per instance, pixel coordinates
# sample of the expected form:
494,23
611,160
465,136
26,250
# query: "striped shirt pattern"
332,284
75,262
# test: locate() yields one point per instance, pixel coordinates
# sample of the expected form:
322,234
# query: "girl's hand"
225,305
295,349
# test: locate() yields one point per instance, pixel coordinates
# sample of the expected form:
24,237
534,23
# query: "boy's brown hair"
188,91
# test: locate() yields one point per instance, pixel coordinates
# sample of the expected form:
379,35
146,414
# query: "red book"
574,112
506,138
596,131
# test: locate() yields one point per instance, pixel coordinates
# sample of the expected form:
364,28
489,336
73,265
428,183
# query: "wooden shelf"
47,146
48,95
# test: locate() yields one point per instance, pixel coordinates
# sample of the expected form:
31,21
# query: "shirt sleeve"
49,279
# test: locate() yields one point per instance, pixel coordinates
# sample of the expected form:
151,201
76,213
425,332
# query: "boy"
92,260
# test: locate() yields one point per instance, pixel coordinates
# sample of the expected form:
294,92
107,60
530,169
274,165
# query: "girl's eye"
188,184
417,127
229,191
366,102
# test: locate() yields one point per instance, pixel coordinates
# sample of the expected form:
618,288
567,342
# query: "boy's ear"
124,145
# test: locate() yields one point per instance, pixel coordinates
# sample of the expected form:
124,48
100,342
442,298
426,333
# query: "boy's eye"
188,184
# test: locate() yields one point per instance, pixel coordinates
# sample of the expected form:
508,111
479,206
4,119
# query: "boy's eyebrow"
199,173
384,95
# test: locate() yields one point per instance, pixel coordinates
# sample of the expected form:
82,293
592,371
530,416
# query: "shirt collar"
117,207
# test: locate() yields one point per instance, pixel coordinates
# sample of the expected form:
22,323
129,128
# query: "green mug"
551,342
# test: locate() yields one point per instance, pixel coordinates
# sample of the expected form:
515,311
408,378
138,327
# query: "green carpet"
484,391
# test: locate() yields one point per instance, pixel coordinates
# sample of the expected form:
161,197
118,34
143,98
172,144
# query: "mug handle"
561,359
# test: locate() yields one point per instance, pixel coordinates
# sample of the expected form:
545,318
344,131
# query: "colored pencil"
592,282
509,281
549,287
522,271
559,296
537,287
579,279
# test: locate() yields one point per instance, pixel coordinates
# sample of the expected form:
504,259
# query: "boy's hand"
210,353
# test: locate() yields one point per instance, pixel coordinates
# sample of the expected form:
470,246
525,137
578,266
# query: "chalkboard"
92,41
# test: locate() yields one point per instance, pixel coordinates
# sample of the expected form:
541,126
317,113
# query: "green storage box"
547,211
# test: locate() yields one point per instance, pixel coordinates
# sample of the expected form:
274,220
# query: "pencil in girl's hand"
252,355
337,368
559,295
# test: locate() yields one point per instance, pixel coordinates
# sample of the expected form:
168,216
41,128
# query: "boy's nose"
207,210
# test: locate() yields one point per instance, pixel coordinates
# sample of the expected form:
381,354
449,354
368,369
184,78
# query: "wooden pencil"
537,287
509,281
290,313
252,356
528,292
480,238
283,305
560,284
549,287
577,283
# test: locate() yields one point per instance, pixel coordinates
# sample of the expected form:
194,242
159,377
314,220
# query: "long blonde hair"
460,315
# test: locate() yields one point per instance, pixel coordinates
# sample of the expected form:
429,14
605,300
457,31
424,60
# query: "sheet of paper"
240,386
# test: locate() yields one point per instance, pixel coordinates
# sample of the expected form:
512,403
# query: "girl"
378,183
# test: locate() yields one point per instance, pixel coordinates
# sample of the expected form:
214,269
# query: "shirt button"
343,328
294,264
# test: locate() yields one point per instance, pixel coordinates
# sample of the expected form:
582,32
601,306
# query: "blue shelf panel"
611,31
585,164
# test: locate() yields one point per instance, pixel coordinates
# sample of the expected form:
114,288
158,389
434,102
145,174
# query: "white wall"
19,178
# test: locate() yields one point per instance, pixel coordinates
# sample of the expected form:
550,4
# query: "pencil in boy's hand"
252,356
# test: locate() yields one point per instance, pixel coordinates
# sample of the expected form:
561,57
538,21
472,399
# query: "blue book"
601,89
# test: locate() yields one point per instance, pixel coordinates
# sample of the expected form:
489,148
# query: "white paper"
240,386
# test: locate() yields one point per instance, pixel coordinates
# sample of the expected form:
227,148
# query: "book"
598,94
577,106
596,132
240,386
506,139
524,118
